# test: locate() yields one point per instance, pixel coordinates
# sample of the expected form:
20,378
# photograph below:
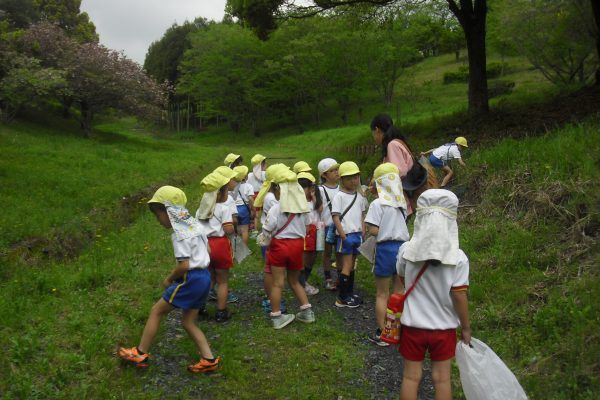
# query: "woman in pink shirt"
394,147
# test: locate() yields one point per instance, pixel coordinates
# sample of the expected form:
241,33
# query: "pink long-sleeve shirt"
398,154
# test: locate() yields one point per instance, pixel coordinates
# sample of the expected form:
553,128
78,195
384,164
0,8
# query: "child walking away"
231,175
186,286
256,179
315,205
438,304
244,201
386,221
286,224
348,207
233,160
440,156
215,217
328,171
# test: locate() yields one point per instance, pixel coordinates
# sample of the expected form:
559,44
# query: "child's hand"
166,283
465,335
343,235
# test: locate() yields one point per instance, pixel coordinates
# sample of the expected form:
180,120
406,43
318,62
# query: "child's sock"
343,286
212,360
141,353
306,274
351,283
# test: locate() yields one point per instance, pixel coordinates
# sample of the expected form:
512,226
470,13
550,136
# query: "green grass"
534,278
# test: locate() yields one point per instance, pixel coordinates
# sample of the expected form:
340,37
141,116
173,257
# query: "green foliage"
67,15
460,76
556,36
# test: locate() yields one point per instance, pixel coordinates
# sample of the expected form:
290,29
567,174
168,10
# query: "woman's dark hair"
155,207
382,121
222,192
306,183
391,134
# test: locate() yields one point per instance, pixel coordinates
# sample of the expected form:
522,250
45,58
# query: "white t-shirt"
429,305
244,192
214,225
313,215
268,202
390,220
331,192
447,152
256,183
194,249
352,221
276,220
231,204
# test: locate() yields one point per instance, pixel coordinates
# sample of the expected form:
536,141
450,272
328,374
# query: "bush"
493,69
500,88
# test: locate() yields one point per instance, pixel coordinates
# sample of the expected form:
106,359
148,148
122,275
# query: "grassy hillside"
529,221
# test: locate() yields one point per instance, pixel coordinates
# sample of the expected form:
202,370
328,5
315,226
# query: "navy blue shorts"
436,162
350,245
243,215
386,254
189,292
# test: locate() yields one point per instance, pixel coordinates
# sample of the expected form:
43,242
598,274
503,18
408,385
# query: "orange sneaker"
133,356
205,366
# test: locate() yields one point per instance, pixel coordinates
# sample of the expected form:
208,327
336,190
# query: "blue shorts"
436,162
330,234
350,245
385,258
243,215
189,292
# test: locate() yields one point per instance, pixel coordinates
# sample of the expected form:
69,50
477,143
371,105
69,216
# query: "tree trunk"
596,10
86,119
472,19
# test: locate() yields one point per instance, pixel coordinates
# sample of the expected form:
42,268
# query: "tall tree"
471,15
19,13
596,11
67,14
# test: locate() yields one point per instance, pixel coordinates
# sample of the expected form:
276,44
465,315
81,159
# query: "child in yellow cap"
186,286
386,221
348,207
233,160
440,156
244,201
315,205
215,217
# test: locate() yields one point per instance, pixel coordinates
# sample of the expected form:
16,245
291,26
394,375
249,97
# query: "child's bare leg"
188,320
158,311
309,258
448,176
381,300
327,258
440,373
411,377
268,284
243,231
347,263
278,274
293,278
222,278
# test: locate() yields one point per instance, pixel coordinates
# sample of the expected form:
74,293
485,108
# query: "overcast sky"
131,25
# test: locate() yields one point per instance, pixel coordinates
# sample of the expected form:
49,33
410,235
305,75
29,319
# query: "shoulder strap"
290,218
349,207
243,201
327,197
423,268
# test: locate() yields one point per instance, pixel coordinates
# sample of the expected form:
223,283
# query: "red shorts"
220,253
310,241
288,253
415,342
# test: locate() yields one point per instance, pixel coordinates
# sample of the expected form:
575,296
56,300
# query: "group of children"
299,217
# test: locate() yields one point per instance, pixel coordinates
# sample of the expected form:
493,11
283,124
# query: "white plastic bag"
483,374
367,249
320,236
240,250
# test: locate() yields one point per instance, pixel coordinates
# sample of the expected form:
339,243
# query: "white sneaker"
306,316
310,289
282,321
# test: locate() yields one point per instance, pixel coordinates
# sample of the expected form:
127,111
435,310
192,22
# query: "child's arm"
372,229
182,267
461,306
228,228
461,162
424,153
338,226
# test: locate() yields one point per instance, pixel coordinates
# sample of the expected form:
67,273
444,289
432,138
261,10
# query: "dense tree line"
49,52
